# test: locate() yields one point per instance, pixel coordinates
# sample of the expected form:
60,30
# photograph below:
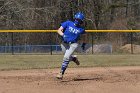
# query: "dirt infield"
76,80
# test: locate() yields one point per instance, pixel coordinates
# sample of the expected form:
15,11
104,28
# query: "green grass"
12,62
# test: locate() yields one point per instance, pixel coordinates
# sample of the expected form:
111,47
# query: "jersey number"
72,30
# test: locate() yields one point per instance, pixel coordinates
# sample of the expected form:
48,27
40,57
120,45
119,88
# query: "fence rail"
56,31
54,49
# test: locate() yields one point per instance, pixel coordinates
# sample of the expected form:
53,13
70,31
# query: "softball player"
70,32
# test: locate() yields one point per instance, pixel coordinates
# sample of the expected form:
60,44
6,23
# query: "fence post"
131,43
12,39
51,42
92,43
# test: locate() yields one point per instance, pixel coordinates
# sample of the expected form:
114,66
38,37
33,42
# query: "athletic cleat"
75,60
59,76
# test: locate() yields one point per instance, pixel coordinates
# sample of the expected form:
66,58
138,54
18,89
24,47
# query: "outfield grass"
12,62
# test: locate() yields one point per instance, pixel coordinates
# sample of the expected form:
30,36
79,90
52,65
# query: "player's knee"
66,58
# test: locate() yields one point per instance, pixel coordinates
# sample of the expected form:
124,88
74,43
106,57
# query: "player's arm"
60,31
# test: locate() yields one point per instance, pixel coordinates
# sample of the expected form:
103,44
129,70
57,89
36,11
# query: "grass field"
16,62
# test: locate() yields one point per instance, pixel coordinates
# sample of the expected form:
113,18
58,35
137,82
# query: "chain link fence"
95,43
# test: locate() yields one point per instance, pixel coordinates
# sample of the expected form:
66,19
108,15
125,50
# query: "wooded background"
48,14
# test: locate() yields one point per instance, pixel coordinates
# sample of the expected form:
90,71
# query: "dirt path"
76,80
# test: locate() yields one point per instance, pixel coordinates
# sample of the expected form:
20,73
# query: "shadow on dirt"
87,79
84,79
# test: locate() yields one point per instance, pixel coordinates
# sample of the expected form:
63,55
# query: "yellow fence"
56,31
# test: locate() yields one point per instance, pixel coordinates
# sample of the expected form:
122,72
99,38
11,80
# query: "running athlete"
70,32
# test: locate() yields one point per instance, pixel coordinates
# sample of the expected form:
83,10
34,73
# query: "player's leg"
67,56
64,47
73,58
66,59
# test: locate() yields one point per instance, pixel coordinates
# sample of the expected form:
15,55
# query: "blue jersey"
71,32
